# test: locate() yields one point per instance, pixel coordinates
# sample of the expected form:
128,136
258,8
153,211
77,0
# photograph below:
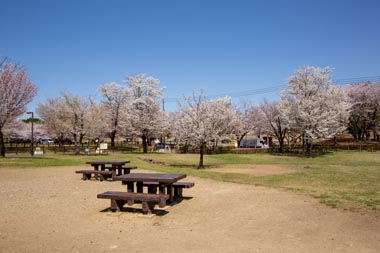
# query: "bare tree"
16,91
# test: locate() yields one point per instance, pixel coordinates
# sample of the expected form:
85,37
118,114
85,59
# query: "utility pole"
163,115
32,139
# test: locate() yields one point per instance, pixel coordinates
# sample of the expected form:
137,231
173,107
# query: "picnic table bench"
118,199
101,174
121,170
177,187
114,164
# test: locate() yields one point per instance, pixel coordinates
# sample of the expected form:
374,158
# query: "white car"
45,141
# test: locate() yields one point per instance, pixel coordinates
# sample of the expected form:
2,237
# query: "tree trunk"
77,143
303,143
240,139
145,144
308,148
281,142
112,136
2,144
77,148
201,156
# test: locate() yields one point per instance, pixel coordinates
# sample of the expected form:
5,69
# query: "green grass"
345,180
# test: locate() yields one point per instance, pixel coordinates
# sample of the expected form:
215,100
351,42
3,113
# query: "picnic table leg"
170,192
139,187
178,192
119,170
113,175
130,186
161,189
152,189
117,205
146,207
86,176
96,167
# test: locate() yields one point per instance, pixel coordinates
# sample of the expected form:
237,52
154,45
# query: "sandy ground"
52,210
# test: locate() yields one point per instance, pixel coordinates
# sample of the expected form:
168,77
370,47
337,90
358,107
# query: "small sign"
103,146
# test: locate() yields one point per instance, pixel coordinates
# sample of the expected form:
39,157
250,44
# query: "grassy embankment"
346,180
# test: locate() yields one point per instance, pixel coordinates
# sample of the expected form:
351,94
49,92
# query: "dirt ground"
53,210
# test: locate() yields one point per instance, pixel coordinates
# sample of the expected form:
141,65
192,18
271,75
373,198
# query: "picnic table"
113,165
163,180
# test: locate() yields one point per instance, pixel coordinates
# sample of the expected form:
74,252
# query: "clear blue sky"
220,46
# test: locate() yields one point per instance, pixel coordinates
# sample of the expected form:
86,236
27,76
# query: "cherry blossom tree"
97,124
201,120
50,113
16,129
66,115
313,106
365,111
16,91
143,116
248,119
21,130
115,99
275,121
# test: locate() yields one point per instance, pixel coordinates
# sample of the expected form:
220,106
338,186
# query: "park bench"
177,187
123,170
102,174
148,200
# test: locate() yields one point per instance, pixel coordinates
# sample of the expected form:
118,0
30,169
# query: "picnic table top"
113,162
150,177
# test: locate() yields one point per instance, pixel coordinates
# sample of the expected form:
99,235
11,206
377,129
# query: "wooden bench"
97,173
123,170
177,187
118,199
126,170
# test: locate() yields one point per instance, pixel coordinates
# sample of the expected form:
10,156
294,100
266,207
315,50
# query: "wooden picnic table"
164,181
114,165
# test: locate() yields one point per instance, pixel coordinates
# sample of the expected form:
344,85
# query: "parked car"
47,141
253,143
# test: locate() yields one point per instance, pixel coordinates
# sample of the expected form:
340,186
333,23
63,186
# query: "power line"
260,91
345,81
